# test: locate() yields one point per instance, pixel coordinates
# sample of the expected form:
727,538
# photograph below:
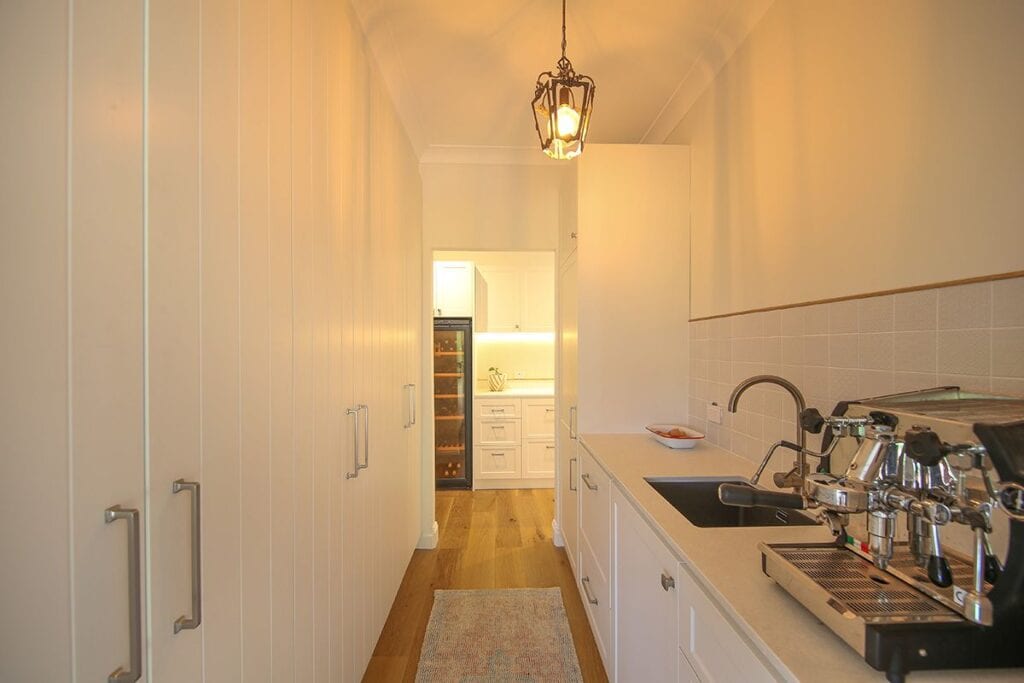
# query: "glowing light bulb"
567,121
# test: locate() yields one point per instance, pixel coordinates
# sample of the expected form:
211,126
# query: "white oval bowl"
688,441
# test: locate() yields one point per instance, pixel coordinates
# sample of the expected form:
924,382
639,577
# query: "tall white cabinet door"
567,473
646,636
454,288
538,300
35,598
106,311
173,258
222,613
499,299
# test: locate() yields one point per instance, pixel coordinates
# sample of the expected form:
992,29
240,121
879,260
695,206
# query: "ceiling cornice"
488,156
732,31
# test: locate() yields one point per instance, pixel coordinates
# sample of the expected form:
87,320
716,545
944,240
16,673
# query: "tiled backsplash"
968,335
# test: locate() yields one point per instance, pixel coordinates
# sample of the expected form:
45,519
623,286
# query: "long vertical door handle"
412,403
572,422
411,395
355,442
134,673
366,437
183,622
571,478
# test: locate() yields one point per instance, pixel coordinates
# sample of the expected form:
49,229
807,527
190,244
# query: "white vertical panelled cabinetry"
211,250
622,345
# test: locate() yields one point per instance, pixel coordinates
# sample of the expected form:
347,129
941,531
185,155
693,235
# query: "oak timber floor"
487,539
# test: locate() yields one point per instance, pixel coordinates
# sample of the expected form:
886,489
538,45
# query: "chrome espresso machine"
924,493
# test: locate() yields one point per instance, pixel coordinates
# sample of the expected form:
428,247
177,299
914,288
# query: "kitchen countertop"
519,392
727,563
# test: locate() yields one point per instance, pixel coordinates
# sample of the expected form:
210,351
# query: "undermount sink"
696,498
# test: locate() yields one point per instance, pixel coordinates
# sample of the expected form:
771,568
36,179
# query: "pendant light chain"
563,29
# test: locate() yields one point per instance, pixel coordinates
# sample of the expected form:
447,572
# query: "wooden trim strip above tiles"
868,295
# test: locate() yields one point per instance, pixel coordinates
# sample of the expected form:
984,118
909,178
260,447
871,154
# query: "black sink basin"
697,499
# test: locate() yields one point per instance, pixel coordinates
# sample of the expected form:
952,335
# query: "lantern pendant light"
562,103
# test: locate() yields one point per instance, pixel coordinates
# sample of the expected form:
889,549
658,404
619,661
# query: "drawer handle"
586,480
550,448
586,589
549,410
571,479
498,455
667,581
497,410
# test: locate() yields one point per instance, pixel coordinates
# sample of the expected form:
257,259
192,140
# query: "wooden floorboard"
487,539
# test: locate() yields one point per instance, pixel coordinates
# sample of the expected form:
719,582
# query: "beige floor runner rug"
518,634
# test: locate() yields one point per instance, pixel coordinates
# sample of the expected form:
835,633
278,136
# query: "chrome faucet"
794,478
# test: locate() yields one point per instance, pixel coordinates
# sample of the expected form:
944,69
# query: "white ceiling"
462,72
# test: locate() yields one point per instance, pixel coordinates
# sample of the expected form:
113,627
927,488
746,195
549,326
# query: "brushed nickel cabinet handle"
355,442
586,480
366,436
571,478
586,589
411,388
183,622
667,581
134,672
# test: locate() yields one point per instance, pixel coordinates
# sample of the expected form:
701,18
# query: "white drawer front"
539,419
540,460
498,407
713,647
496,463
594,586
595,508
497,432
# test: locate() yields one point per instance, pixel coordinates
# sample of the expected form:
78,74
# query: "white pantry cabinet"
513,442
454,289
514,298
221,259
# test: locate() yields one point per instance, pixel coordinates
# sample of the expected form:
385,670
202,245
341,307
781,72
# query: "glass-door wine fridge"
453,402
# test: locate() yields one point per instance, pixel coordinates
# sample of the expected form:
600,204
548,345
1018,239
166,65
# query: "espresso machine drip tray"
847,592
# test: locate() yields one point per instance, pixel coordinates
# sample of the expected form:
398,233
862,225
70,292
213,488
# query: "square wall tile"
916,351
843,384
1008,303
792,322
964,352
842,316
875,351
965,306
815,319
772,323
875,314
772,350
965,382
816,350
792,350
1008,352
748,325
914,381
916,310
815,381
1008,386
843,351
874,383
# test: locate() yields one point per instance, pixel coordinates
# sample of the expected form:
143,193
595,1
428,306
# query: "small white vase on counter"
497,381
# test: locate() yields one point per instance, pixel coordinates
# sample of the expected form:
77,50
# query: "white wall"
853,147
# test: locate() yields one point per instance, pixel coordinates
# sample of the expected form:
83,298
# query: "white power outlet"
715,413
